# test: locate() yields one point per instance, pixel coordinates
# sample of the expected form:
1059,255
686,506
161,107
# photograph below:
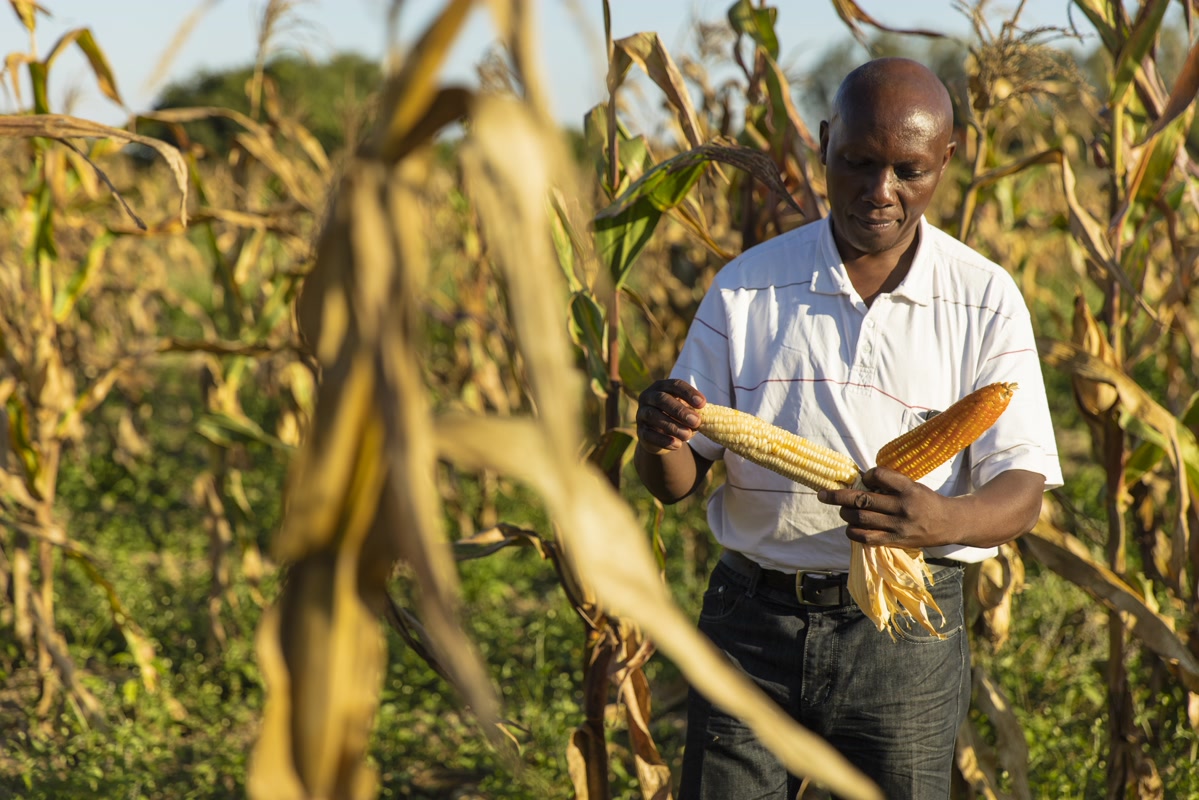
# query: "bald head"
895,86
884,148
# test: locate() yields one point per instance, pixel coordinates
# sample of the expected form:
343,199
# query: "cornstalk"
1121,766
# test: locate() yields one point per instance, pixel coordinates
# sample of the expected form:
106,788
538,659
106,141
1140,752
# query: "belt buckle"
799,577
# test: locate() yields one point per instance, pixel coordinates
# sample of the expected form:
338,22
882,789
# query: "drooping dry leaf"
1183,93
1179,441
1068,557
95,58
1094,397
58,126
608,548
647,51
854,17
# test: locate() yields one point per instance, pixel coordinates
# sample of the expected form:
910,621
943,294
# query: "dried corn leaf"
606,544
1178,440
59,126
1069,557
1186,87
647,51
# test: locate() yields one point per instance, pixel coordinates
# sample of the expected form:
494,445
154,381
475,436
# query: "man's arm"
896,510
666,421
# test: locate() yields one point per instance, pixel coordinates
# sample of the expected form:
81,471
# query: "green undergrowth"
140,521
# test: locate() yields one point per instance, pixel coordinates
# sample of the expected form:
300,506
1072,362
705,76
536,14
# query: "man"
850,331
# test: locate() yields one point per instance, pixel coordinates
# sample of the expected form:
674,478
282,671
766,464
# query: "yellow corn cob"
766,445
883,580
928,446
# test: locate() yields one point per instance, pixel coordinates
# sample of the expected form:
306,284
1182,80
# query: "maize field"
317,475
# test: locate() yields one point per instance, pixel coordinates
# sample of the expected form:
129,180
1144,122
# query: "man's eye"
910,174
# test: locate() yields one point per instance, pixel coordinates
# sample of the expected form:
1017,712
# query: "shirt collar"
829,277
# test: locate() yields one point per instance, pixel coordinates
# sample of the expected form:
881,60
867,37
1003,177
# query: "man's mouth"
875,224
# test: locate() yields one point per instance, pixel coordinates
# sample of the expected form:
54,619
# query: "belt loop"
753,580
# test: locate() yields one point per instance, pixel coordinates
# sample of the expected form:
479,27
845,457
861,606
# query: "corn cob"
883,580
928,446
766,445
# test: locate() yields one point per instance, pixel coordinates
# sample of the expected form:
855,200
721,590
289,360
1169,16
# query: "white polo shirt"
783,335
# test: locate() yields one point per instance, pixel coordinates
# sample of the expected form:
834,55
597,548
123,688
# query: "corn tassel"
766,445
883,580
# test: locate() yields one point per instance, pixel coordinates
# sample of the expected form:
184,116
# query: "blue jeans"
891,707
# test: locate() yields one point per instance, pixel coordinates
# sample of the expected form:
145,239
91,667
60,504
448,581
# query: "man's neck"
873,274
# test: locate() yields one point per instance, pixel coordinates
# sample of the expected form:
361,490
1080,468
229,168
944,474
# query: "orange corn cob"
884,580
928,446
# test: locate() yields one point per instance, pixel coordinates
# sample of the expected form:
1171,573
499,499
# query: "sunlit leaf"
604,535
95,58
492,540
647,51
27,11
634,375
668,182
410,94
1135,403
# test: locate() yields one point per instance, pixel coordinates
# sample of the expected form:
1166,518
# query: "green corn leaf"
1100,14
587,320
1144,34
22,444
620,238
38,77
633,372
610,450
68,296
226,430
757,24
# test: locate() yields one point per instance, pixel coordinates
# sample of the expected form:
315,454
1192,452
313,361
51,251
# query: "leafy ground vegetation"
219,313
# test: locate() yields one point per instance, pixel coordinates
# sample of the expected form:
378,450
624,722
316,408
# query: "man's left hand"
893,510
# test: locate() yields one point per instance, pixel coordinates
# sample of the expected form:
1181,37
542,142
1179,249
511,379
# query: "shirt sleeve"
1023,437
704,362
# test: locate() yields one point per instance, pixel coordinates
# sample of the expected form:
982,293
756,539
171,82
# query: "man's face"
882,164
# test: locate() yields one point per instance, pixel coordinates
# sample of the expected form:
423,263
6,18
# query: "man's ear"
824,142
950,149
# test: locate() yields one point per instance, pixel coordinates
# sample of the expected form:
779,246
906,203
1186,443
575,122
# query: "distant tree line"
324,96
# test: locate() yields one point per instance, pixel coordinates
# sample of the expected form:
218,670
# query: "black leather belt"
824,588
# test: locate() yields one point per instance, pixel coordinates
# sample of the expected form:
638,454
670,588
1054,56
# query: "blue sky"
135,35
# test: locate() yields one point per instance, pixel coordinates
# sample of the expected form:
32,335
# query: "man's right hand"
666,416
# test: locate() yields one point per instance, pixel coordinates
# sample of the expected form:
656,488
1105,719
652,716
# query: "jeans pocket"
720,601
947,592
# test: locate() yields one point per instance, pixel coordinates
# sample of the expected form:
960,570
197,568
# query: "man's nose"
880,187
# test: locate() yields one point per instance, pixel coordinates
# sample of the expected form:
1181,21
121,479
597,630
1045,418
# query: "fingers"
666,416
870,517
